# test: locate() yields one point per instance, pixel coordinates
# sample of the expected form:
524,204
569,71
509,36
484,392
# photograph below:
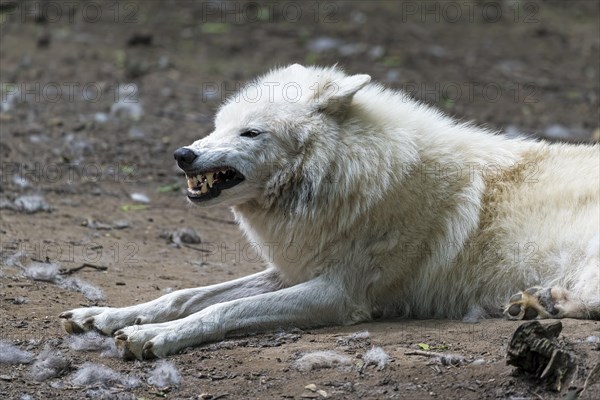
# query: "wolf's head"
265,135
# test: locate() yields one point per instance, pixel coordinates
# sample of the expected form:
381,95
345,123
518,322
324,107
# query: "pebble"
184,235
140,198
101,117
311,386
323,44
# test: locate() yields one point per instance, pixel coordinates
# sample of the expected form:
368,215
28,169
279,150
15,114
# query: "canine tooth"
199,178
210,179
203,188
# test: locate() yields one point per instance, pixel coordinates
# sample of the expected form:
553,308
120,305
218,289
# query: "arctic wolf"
392,209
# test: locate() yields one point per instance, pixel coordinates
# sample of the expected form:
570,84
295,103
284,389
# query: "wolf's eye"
251,133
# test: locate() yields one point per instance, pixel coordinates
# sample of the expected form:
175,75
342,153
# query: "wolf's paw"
537,303
145,342
105,320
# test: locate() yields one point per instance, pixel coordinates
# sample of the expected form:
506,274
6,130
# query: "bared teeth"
210,179
201,184
192,182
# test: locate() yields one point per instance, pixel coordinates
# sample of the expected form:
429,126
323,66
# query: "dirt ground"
97,95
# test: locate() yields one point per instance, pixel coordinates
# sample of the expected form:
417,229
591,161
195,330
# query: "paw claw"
65,315
148,354
72,328
533,290
128,354
515,298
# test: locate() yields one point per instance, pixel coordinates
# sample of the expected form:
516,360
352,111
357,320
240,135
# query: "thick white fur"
371,204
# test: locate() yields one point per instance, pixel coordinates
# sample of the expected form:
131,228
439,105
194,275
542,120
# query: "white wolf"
392,209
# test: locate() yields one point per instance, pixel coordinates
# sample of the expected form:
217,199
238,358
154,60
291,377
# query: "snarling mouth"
207,185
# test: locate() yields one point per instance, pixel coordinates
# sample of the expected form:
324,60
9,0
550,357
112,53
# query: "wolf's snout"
185,157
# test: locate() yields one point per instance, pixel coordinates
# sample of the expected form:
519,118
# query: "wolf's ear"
295,68
335,98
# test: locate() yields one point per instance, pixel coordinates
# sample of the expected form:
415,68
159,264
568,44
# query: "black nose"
185,157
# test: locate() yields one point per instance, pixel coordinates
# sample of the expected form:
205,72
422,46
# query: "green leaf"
214,28
126,169
391,61
264,14
169,188
133,207
311,58
424,346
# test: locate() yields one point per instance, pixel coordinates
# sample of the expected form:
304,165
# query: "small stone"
311,386
140,39
101,117
377,52
184,235
121,224
20,300
323,44
56,121
140,198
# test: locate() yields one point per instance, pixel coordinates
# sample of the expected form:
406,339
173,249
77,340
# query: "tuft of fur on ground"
449,359
50,272
474,315
98,375
31,204
46,272
11,354
376,356
89,291
321,359
165,375
108,394
94,341
353,338
15,260
49,364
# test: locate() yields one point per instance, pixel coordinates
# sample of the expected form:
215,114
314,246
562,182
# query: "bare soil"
183,58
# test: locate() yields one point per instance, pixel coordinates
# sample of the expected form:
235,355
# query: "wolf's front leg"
310,304
172,306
